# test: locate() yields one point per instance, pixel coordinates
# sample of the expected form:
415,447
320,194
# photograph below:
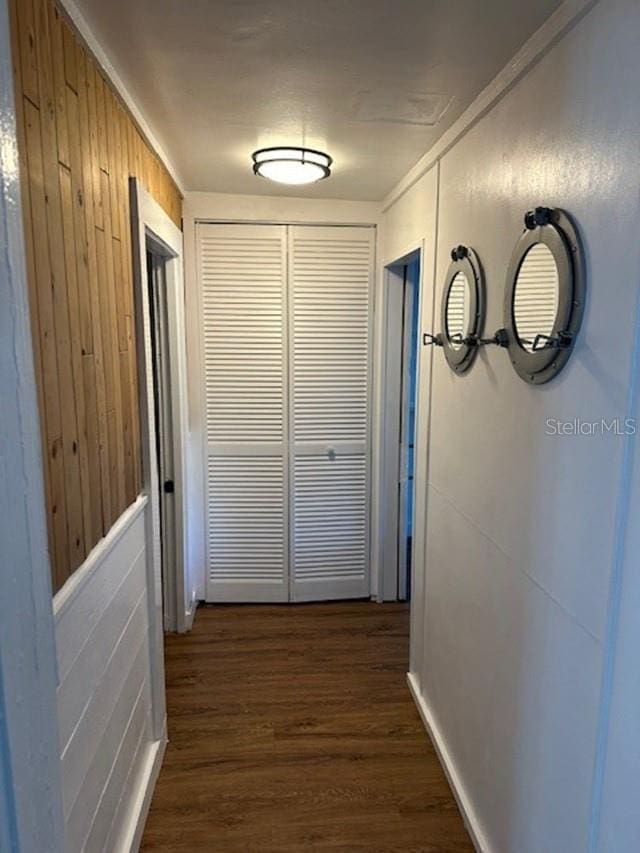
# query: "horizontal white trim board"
96,558
283,210
464,803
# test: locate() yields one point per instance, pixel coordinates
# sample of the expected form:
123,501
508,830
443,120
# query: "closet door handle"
331,453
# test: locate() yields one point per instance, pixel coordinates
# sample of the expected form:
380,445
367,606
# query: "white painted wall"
616,825
108,750
30,802
519,602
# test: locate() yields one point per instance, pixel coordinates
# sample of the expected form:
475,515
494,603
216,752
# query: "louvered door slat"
330,287
242,271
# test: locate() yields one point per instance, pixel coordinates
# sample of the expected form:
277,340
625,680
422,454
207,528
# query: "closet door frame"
191,234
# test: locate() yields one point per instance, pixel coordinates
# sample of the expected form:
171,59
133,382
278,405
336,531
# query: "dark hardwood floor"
292,728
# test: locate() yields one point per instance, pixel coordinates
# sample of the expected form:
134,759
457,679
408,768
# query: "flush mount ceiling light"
292,165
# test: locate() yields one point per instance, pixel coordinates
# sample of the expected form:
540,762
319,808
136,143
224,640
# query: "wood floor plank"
291,728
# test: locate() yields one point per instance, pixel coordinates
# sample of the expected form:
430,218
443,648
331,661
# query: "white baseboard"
190,615
464,803
132,835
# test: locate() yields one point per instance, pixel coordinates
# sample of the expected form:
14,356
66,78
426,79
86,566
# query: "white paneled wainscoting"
110,754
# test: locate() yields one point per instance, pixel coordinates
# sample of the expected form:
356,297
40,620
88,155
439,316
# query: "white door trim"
152,224
392,306
30,791
385,460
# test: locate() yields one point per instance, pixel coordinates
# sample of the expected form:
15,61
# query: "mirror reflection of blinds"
458,306
535,304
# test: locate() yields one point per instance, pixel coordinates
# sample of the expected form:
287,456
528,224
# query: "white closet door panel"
330,294
242,272
243,276
330,318
330,527
247,531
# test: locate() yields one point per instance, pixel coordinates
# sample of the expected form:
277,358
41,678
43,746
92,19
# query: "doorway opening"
410,323
402,307
163,408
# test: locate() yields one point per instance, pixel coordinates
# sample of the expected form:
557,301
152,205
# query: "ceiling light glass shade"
292,165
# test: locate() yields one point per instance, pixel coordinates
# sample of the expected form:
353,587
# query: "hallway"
291,727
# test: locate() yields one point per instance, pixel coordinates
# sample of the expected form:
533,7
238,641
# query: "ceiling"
373,82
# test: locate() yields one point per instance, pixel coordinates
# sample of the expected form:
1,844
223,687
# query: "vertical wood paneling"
73,302
43,329
94,378
18,27
50,159
70,62
78,148
59,83
23,18
90,80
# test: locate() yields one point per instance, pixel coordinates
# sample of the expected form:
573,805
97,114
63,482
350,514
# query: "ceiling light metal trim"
292,154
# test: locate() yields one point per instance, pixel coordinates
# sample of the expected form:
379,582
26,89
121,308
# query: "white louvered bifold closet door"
242,272
330,285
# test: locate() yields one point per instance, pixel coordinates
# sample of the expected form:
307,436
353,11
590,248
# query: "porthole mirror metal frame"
550,352
461,353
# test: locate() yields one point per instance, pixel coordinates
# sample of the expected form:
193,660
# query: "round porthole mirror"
463,306
544,296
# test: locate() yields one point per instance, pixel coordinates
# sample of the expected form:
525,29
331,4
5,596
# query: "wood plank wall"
78,145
